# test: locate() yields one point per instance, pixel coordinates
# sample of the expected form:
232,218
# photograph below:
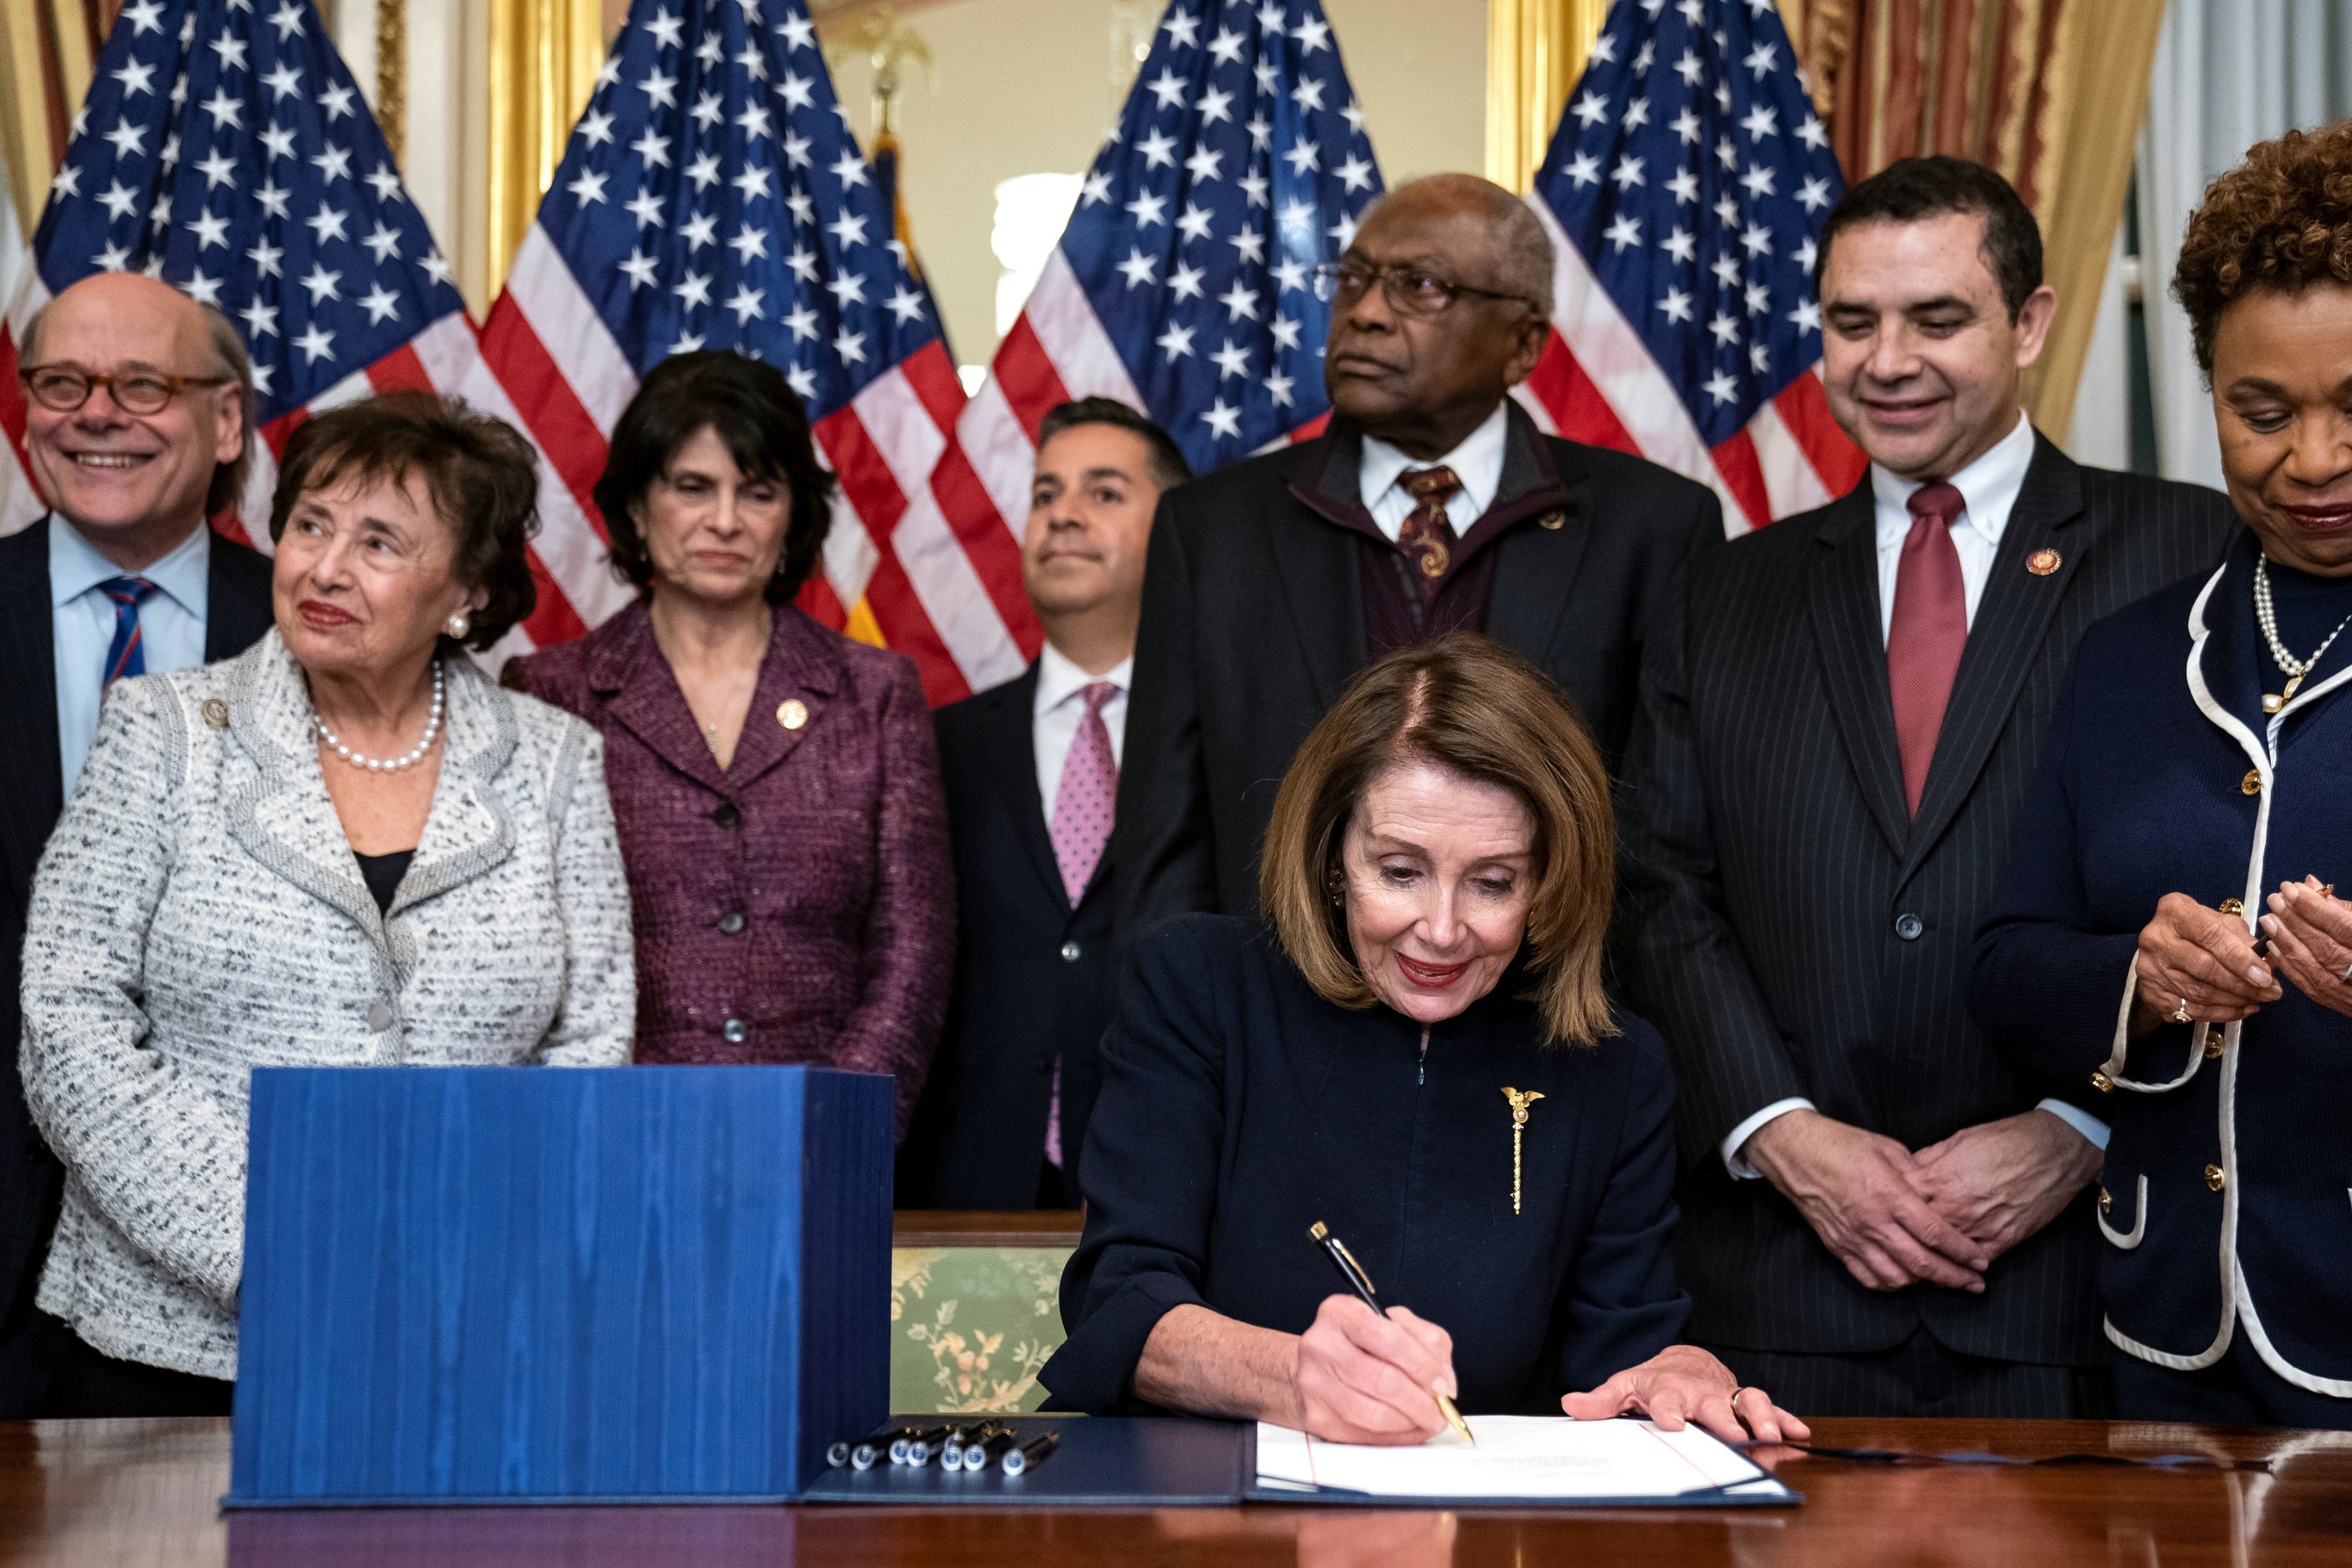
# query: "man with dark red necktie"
1880,1215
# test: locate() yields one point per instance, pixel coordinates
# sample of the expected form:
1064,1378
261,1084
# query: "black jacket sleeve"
1621,1305
1148,1172
1161,840
2047,984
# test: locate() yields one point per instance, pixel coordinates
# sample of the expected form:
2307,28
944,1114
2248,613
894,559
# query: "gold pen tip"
1318,1230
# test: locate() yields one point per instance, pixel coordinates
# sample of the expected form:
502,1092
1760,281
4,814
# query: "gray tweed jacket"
198,913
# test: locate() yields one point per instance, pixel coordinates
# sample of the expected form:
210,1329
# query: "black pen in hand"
1361,1283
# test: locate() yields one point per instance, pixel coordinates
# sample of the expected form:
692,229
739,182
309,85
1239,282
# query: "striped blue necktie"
124,656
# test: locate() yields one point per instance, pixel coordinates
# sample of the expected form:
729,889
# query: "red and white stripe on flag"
947,597
1597,382
1055,351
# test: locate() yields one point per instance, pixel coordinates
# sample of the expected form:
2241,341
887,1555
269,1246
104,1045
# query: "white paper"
1515,1457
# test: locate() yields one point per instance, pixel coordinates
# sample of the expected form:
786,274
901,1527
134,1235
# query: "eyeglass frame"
173,387
1327,277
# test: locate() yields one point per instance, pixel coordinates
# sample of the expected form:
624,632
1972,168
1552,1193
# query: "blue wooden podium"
550,1285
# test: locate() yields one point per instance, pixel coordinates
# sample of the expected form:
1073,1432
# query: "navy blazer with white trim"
2143,790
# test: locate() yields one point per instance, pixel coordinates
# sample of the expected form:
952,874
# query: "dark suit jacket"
237,613
1033,974
1793,932
1254,623
1239,1108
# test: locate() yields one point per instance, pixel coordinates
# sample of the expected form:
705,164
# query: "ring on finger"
2180,1012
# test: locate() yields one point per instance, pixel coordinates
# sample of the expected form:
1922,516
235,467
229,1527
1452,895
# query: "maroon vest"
1529,494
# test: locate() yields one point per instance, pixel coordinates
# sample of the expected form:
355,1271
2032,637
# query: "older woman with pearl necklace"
346,846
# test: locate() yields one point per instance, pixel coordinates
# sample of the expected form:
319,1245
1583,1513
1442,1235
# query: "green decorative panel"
969,1326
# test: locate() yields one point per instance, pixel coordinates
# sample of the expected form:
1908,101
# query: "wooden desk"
141,1493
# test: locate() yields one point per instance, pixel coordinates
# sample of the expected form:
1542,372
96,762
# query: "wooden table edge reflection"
147,1493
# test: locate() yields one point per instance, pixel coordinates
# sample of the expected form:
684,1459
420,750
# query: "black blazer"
1033,974
1254,623
1239,1107
1793,932
31,795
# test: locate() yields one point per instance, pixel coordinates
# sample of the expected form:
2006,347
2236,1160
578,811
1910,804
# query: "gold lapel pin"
2042,562
1553,520
792,713
1520,1100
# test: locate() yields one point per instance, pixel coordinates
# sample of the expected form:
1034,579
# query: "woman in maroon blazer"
775,784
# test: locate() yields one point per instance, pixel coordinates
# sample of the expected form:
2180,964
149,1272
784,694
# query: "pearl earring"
457,625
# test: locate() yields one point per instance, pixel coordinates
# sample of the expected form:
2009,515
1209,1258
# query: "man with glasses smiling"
139,416
1433,504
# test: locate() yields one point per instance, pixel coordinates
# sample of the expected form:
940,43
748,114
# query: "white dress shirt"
1477,463
1060,707
82,626
1989,487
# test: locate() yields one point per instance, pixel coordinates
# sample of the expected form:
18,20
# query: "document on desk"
1522,1460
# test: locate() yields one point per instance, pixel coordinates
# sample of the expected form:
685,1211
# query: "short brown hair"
1472,706
758,418
481,476
2282,220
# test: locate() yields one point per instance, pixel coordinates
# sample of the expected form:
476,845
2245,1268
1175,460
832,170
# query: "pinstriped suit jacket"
1793,932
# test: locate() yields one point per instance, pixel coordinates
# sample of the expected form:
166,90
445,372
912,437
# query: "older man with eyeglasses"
139,417
1433,503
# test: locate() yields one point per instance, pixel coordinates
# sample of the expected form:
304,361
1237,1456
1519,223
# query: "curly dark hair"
756,413
480,472
2282,220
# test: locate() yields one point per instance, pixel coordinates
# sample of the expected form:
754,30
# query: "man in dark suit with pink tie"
1031,769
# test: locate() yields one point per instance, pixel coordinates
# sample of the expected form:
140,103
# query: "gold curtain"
2050,92
46,48
544,56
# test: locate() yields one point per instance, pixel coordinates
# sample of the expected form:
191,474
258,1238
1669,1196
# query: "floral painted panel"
969,1326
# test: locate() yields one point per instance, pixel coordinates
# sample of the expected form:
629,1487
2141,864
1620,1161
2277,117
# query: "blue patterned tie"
125,655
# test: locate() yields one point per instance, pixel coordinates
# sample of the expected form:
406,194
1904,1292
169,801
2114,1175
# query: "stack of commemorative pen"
971,1448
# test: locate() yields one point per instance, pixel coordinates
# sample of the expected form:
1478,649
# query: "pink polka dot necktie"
1081,831
1083,805
1928,632
1426,536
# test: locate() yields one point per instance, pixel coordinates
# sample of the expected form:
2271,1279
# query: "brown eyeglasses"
1411,290
65,388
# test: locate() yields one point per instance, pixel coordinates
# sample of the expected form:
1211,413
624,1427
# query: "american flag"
224,148
1684,192
1184,285
713,197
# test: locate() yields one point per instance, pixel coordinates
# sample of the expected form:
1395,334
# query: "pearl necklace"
2267,616
388,765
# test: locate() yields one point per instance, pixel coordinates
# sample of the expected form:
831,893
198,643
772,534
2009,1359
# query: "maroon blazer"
797,907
